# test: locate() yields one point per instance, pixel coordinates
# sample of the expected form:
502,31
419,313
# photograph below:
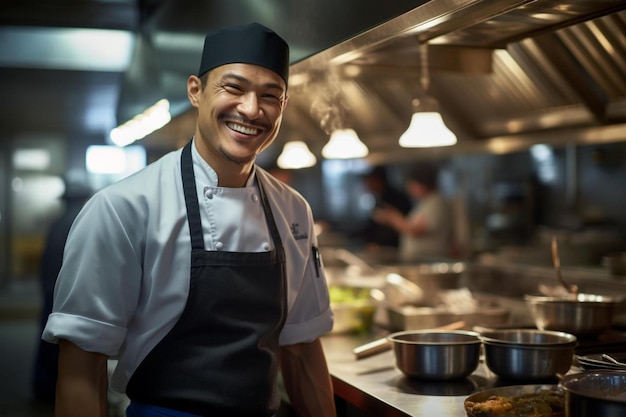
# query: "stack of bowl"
526,354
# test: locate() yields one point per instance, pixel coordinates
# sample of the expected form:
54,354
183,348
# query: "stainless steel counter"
374,384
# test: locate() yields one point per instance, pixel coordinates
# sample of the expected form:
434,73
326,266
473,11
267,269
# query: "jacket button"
219,246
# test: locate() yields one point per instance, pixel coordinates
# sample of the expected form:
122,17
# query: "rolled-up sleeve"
98,285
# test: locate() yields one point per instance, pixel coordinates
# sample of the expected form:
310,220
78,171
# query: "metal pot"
584,315
528,354
594,394
436,354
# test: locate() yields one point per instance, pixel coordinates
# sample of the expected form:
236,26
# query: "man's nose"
249,106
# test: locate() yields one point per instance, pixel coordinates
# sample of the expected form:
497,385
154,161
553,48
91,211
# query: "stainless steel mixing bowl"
527,354
584,315
594,394
436,355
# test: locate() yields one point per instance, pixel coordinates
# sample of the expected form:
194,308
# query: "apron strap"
191,198
271,223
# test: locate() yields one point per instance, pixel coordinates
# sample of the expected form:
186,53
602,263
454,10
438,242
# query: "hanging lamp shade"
344,144
427,128
296,155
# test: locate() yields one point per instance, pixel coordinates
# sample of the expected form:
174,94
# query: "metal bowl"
436,355
584,315
528,354
529,337
593,394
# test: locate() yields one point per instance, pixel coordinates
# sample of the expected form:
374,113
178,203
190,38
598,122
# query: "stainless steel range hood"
506,73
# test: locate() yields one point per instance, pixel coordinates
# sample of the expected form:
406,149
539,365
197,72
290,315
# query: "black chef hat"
249,44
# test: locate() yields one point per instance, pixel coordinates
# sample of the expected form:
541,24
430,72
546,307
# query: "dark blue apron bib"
221,357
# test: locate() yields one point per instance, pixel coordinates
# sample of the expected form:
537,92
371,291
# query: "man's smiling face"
240,110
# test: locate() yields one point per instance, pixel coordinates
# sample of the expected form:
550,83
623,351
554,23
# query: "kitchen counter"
376,387
374,384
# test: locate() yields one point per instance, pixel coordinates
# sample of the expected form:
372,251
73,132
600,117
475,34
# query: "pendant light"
344,144
427,128
296,155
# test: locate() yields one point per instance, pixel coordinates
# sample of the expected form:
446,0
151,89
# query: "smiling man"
191,272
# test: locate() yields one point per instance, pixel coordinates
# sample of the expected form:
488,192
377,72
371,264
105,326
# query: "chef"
200,274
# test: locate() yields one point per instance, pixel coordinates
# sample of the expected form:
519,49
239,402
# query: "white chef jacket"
126,266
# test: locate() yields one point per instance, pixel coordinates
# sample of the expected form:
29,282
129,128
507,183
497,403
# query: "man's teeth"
243,129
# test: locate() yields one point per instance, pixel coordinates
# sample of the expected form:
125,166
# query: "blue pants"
136,409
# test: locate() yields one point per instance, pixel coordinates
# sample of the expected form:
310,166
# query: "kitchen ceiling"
506,73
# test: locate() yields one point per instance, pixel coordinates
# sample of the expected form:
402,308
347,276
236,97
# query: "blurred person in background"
377,235
45,370
426,233
200,274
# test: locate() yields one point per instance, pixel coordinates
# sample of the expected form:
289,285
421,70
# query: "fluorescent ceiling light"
296,155
66,48
344,144
140,126
31,159
103,159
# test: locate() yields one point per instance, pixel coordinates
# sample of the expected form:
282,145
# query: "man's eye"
233,88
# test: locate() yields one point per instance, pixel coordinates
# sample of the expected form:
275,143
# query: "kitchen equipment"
400,291
557,267
612,359
615,262
353,304
594,394
584,315
436,354
420,318
599,361
383,344
554,399
431,278
526,354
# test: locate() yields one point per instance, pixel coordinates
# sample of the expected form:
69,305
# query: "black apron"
221,357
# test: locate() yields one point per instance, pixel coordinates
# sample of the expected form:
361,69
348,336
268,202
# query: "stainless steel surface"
507,73
593,394
374,384
436,355
417,318
585,315
431,279
528,355
377,386
401,291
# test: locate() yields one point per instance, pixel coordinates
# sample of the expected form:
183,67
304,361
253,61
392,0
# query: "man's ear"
194,88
